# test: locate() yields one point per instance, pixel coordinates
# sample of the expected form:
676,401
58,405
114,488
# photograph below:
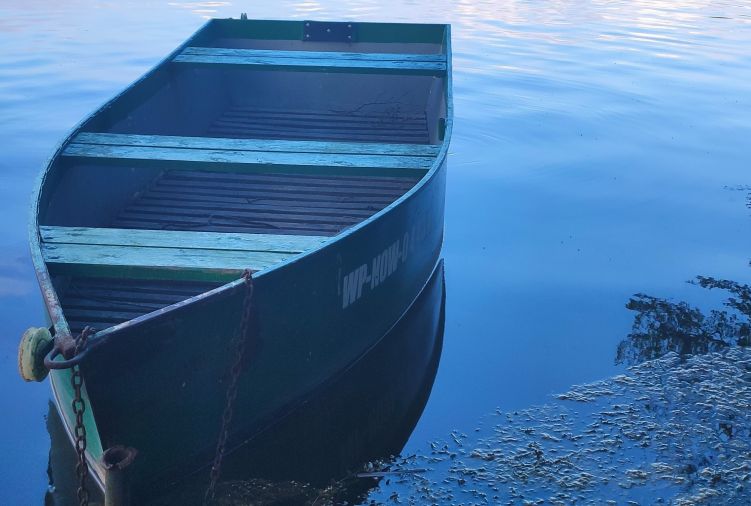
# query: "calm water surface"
600,150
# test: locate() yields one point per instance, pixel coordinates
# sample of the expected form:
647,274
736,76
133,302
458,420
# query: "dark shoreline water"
599,152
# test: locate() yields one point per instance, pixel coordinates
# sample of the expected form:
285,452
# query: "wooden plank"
249,159
90,300
348,113
140,222
332,65
214,143
104,315
260,191
315,125
306,180
326,55
260,132
182,288
159,204
159,258
343,117
244,214
182,222
300,60
101,303
284,199
74,296
176,187
270,188
270,243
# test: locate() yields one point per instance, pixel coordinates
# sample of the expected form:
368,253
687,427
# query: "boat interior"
254,142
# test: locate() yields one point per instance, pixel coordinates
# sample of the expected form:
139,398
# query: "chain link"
79,432
239,346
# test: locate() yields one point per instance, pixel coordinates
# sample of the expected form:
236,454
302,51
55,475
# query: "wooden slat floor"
358,126
260,203
224,202
102,302
288,204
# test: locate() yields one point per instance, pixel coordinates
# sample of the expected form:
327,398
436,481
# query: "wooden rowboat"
312,154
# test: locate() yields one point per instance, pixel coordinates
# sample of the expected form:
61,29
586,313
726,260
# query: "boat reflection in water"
366,413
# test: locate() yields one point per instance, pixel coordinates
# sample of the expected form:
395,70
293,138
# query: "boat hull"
160,387
157,382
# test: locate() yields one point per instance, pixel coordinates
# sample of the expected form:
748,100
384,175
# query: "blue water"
600,149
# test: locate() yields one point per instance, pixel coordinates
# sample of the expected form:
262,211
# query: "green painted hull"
159,386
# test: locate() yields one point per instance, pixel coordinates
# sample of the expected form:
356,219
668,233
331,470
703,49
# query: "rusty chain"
79,433
239,345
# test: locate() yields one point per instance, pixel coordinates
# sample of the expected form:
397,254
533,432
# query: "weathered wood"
413,133
326,55
139,222
330,65
247,157
113,294
240,224
317,119
123,286
306,60
213,143
253,203
260,132
158,258
103,302
287,125
89,301
245,214
322,125
324,183
103,315
160,204
292,200
270,189
398,184
178,239
336,113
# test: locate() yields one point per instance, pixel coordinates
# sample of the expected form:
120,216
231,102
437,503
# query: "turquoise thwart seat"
116,249
255,155
386,63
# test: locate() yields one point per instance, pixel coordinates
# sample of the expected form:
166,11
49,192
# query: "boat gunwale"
52,301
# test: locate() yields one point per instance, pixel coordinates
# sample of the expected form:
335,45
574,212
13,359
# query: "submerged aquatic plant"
674,430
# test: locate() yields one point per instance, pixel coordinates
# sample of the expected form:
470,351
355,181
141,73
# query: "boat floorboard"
256,203
395,127
103,302
260,203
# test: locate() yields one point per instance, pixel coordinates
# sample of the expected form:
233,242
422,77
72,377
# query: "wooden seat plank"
265,161
331,113
115,258
161,204
326,55
335,136
309,60
156,253
214,143
267,243
182,222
